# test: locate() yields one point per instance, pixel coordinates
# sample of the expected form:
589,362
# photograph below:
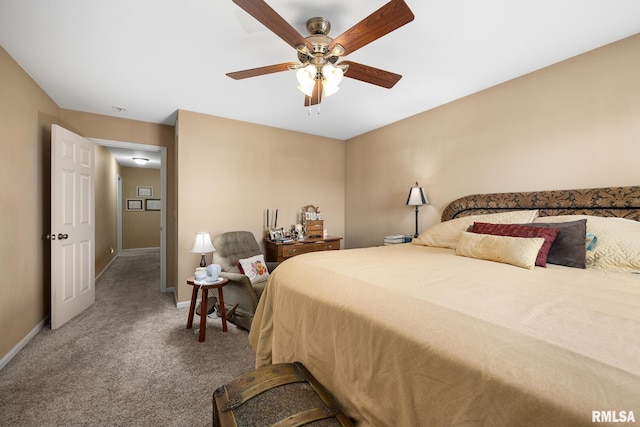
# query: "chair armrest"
235,277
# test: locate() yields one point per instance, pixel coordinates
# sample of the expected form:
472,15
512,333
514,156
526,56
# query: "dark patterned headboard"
612,201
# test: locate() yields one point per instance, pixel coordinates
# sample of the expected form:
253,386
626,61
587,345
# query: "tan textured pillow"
518,251
618,244
446,234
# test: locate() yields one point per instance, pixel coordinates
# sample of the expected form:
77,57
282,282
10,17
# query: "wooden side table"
203,309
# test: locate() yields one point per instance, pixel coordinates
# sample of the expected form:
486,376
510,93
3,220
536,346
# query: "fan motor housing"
318,29
318,25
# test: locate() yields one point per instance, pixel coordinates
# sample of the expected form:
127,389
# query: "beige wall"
575,124
229,172
106,187
26,115
140,229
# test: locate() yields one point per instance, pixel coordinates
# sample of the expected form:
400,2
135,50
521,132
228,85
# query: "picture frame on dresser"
276,234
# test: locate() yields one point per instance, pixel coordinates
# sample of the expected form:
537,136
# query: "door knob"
62,236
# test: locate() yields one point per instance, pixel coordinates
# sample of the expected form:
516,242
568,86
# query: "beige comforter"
407,335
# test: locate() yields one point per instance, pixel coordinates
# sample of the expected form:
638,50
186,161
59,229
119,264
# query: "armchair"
231,247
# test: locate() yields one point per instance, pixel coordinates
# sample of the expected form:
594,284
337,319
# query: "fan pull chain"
319,96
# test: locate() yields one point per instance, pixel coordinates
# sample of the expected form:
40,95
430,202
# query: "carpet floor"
128,360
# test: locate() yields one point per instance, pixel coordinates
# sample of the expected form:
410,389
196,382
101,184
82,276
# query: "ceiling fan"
318,71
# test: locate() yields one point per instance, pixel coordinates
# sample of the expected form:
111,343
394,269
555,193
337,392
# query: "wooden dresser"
278,251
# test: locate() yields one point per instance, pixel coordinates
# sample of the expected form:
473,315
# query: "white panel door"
72,225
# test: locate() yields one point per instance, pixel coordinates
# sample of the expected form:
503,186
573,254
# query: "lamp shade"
306,77
416,196
332,74
202,244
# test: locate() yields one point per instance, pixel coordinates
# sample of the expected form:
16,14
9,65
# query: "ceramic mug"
201,273
213,271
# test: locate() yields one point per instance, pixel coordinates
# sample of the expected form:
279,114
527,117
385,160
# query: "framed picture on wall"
134,205
143,191
153,204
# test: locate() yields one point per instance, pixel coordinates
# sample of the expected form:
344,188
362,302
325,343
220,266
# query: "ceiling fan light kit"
317,71
328,74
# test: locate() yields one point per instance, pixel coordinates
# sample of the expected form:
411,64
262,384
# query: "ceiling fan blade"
274,22
253,72
316,96
368,74
389,17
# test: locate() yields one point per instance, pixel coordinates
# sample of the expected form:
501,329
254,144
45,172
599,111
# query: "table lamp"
417,198
202,245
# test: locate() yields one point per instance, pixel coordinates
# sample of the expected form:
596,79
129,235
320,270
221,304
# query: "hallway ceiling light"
140,160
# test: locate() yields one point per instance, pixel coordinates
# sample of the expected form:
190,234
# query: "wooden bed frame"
621,202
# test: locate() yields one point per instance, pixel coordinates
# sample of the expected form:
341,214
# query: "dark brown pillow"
569,247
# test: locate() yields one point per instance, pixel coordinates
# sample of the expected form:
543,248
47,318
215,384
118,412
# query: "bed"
422,334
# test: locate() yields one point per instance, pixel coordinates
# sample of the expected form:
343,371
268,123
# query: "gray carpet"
126,361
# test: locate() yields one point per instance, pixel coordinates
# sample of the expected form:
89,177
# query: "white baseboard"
185,304
181,304
24,341
134,251
106,266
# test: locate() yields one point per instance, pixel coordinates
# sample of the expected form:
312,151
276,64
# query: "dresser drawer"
302,248
332,245
314,228
277,251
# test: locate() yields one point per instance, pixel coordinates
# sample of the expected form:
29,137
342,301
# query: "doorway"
124,152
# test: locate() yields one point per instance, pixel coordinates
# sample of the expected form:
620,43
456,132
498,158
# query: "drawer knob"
293,251
330,247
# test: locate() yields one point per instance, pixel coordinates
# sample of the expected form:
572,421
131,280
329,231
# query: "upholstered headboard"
612,201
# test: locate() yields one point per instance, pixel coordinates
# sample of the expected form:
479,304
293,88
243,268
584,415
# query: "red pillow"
517,230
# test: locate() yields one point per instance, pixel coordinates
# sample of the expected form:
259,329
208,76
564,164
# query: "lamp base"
203,263
416,235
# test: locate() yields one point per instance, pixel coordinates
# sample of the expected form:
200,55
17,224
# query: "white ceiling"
157,56
125,152
125,156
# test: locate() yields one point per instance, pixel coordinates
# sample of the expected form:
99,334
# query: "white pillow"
446,234
254,268
618,244
518,251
